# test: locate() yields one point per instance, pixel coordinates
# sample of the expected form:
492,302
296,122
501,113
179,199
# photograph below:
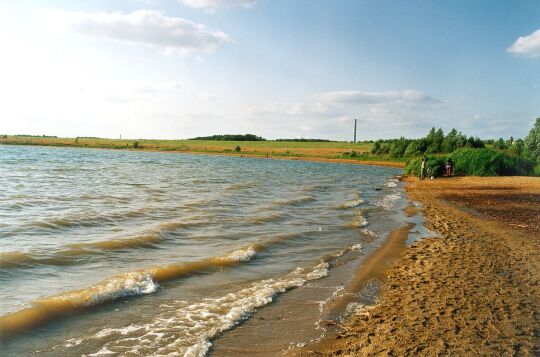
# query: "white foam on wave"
353,203
388,201
361,221
391,184
241,255
187,330
102,352
126,284
369,233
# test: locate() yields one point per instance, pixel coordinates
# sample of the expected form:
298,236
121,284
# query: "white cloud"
365,97
212,5
143,91
207,97
329,114
527,45
147,28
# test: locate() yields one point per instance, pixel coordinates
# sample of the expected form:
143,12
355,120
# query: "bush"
489,162
136,145
353,154
475,162
237,148
435,166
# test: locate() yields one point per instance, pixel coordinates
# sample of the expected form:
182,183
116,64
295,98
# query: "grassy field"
320,150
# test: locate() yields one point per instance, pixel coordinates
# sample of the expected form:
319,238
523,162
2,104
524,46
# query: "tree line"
471,156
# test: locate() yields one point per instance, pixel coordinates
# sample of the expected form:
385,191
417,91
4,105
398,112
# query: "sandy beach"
473,290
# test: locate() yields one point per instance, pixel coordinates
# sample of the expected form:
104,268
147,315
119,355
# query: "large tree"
532,142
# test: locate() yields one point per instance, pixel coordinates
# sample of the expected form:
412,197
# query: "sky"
173,69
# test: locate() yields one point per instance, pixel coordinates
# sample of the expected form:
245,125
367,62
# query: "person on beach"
449,166
423,168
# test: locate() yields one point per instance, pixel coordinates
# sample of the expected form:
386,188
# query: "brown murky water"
139,253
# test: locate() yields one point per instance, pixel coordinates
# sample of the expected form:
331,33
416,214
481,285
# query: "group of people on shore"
449,166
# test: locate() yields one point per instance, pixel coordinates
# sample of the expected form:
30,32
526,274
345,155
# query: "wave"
73,253
353,203
126,284
189,328
146,241
294,201
172,225
240,186
88,219
369,233
264,218
360,221
388,201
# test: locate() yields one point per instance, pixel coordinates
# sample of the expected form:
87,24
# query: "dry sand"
475,290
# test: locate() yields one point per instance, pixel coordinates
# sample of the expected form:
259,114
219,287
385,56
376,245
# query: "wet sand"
474,290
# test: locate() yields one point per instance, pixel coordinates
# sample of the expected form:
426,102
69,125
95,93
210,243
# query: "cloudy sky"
297,68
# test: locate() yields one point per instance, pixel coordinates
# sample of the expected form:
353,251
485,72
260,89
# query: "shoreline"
472,290
239,155
373,268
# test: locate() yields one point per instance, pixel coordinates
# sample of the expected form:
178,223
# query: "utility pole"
354,131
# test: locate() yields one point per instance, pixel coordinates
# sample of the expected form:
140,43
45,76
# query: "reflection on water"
139,253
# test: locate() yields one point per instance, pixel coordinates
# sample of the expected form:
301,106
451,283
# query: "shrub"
474,162
376,148
435,166
136,145
536,171
237,148
353,154
489,162
516,148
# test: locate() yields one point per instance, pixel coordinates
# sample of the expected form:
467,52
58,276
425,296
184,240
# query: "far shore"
277,150
473,290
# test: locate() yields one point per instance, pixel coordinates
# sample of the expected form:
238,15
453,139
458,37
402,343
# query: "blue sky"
184,68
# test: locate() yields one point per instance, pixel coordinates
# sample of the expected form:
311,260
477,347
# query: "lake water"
129,253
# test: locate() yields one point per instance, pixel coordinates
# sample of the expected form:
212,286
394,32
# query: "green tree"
532,142
450,141
416,148
500,144
516,148
435,140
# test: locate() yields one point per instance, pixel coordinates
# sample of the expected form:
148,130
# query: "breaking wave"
189,329
125,284
353,203
388,201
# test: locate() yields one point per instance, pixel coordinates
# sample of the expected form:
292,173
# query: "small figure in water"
449,167
423,168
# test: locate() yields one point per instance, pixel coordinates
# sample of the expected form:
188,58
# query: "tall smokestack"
354,131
